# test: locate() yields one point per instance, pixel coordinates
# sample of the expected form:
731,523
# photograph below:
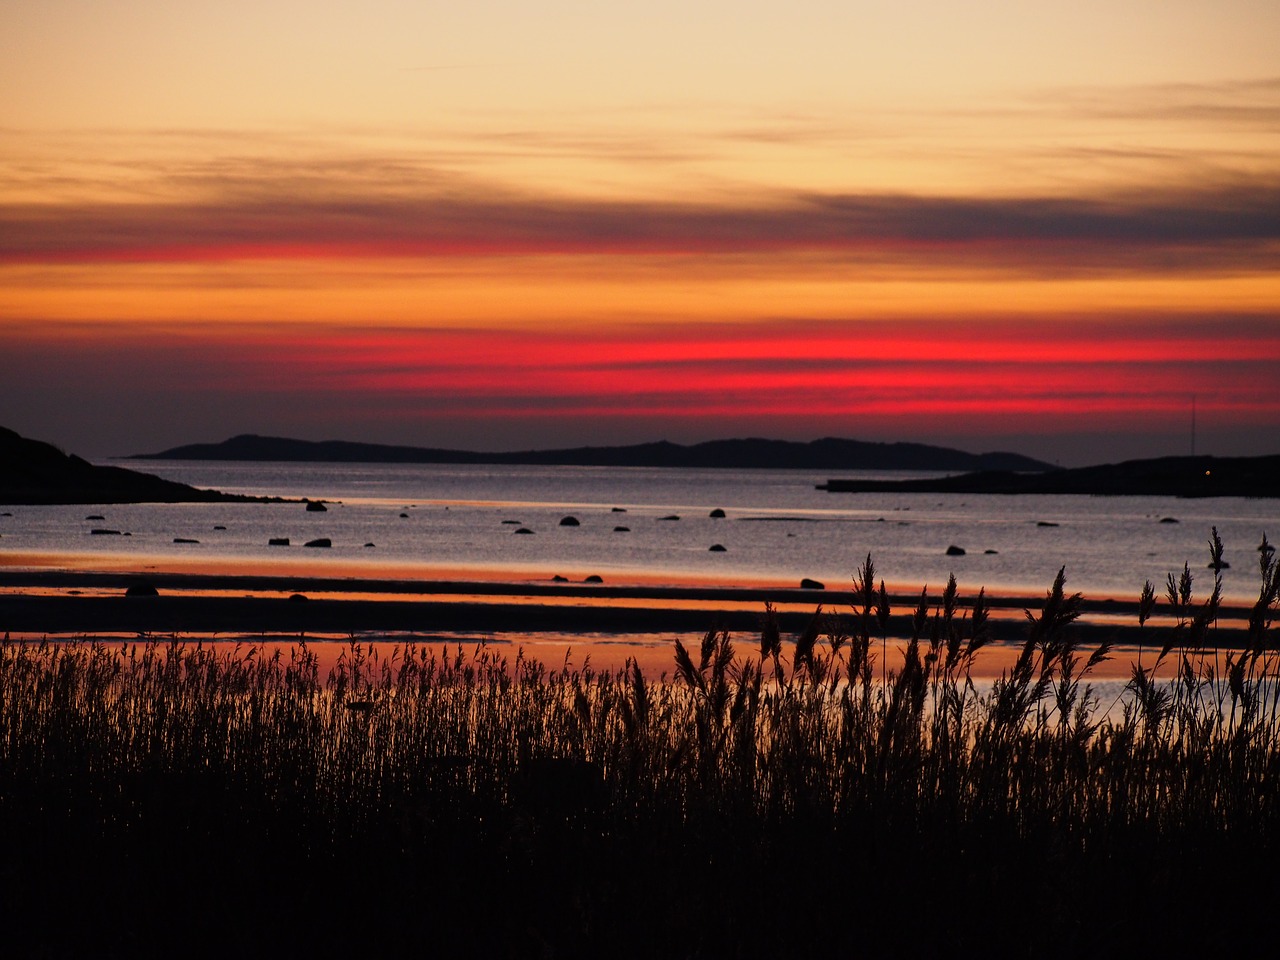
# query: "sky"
1047,227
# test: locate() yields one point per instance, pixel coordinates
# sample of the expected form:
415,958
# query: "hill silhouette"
35,472
752,453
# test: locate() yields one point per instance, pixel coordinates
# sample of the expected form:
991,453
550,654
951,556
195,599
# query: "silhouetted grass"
796,798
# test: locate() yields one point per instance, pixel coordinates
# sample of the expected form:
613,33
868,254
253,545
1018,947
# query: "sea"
647,525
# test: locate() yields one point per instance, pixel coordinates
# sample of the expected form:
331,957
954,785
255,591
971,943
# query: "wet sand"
611,621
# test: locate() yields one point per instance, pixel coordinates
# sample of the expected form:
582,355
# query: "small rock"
716,514
1168,519
513,523
315,506
621,529
143,588
807,584
619,510
559,579
219,527
184,540
295,597
319,542
990,552
954,551
278,542
594,578
98,532
1045,523
669,517
92,516
569,522
525,531
370,544
1220,566
716,548
404,516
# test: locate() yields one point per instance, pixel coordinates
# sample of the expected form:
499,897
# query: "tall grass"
793,797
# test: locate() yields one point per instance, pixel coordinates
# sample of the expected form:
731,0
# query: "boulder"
716,514
315,506
278,542
319,542
716,548
569,522
954,551
807,584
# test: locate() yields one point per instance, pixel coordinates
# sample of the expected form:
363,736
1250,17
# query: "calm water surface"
425,519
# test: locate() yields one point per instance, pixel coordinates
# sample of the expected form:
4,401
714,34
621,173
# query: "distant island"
35,472
1163,476
746,454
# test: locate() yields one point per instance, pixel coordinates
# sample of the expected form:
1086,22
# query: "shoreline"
609,622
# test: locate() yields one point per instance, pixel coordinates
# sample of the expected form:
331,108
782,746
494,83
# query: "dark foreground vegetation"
164,798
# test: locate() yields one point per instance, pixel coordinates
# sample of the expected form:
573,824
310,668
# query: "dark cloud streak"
1203,227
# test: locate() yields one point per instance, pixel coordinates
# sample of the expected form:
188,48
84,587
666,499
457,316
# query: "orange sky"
1045,230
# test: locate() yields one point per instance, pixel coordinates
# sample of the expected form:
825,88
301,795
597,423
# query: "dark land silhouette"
35,472
752,453
1159,477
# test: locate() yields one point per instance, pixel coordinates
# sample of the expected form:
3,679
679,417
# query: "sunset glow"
1054,230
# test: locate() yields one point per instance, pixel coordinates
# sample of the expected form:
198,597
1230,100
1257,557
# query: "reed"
802,797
